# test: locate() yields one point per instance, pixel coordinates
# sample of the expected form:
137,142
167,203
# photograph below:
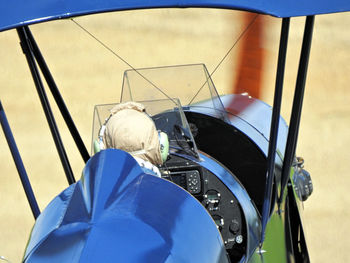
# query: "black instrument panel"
215,197
189,180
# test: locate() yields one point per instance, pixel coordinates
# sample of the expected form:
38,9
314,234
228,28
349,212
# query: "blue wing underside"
18,13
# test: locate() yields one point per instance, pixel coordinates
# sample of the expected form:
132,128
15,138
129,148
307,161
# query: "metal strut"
19,163
276,110
57,96
27,49
297,104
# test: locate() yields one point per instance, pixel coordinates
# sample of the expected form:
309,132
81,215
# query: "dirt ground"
88,74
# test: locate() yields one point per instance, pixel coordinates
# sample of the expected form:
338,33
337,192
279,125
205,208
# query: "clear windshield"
191,84
161,90
168,117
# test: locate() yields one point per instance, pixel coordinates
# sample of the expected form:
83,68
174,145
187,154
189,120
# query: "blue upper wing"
15,13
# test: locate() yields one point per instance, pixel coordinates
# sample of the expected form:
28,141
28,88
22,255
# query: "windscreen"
168,117
191,84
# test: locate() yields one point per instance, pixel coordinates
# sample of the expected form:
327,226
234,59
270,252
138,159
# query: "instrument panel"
189,180
215,196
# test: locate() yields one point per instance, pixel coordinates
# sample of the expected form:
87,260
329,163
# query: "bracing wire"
121,58
226,55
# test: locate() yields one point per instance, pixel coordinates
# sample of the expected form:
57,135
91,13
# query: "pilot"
129,128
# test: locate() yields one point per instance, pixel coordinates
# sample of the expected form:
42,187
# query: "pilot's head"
130,129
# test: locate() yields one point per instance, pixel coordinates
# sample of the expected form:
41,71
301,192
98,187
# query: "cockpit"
203,154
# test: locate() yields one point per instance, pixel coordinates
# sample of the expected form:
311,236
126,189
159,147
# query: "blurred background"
88,74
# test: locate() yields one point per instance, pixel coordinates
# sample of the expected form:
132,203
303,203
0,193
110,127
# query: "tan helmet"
130,129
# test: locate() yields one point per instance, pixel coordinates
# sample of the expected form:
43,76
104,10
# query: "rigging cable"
122,59
226,55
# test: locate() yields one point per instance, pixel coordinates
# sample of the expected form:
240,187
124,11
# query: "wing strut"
27,49
19,163
274,125
57,96
297,104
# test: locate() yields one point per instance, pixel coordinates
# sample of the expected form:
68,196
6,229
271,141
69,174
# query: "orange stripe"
251,57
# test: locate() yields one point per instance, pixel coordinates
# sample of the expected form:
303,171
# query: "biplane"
232,187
